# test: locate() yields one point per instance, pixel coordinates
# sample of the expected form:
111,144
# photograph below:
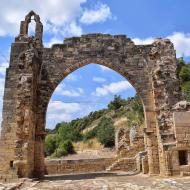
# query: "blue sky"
92,87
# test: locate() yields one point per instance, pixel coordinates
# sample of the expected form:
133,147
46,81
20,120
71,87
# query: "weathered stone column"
18,126
19,106
151,143
39,166
166,91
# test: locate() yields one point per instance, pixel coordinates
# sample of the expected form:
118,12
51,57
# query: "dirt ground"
91,154
101,181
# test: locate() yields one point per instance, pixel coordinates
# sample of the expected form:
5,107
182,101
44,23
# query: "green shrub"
106,132
120,112
186,89
67,132
59,152
117,103
68,147
184,76
50,144
64,149
89,135
135,114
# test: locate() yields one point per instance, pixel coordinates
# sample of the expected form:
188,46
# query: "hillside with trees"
97,127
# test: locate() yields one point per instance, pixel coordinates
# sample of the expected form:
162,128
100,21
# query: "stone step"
184,174
169,145
119,164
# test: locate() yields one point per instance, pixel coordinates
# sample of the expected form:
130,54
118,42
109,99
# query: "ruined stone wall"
134,164
129,142
58,166
124,164
181,119
35,72
122,139
167,93
129,146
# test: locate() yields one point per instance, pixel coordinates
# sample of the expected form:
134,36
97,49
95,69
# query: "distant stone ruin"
35,71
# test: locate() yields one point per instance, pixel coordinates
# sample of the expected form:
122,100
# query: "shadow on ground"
82,176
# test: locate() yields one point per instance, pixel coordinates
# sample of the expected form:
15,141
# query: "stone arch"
62,59
62,67
31,80
83,63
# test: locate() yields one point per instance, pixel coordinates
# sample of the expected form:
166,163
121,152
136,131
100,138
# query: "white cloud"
72,93
59,111
74,29
100,14
103,68
112,88
63,91
181,43
58,117
53,13
60,87
58,16
53,41
98,79
73,77
145,41
2,83
3,67
59,106
180,40
69,29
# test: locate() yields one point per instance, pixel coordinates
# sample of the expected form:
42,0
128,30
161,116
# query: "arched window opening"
32,27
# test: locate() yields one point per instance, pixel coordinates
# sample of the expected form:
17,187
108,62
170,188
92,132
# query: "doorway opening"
183,157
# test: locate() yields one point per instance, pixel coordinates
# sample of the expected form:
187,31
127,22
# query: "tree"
59,152
180,64
186,89
184,76
65,148
57,127
90,134
135,114
106,132
68,147
50,144
67,132
116,103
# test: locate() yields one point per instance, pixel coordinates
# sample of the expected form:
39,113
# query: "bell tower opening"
32,27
